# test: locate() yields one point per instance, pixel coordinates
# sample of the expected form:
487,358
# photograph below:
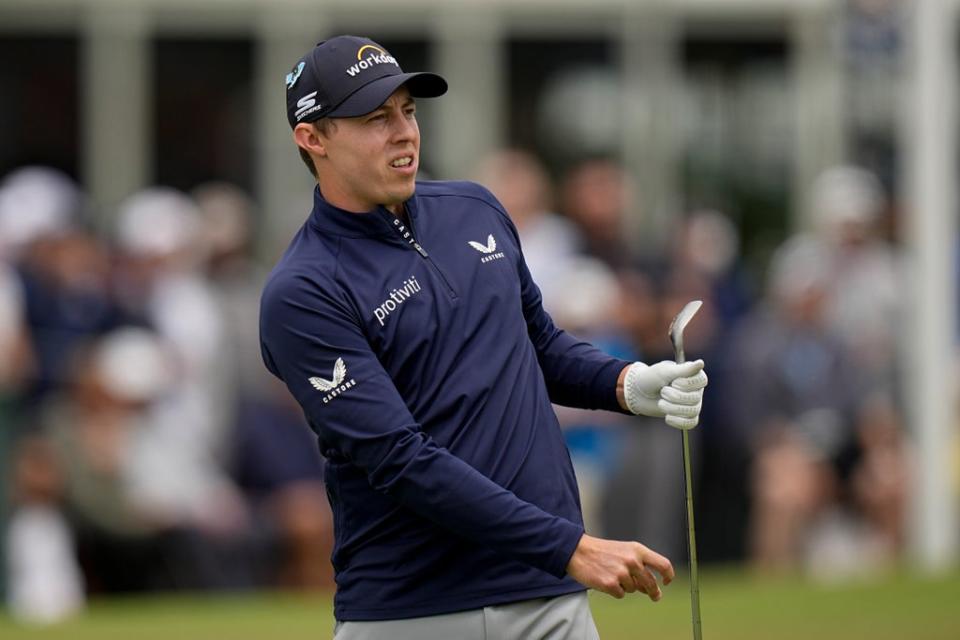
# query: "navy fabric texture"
426,364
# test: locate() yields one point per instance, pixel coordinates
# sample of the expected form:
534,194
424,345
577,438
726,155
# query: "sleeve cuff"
567,544
607,398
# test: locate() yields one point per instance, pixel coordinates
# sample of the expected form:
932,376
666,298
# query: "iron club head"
679,324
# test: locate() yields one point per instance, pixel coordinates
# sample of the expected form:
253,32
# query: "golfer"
405,322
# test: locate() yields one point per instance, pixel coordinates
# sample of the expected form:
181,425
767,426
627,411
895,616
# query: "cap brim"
421,84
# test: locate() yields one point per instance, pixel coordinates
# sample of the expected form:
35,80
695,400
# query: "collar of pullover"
376,222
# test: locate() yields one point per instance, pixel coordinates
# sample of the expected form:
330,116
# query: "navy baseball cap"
350,76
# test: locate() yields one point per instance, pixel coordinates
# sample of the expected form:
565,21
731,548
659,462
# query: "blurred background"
792,164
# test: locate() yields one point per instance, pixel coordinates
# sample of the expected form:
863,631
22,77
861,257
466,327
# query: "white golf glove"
666,389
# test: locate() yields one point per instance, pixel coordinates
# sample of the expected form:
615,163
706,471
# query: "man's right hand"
618,568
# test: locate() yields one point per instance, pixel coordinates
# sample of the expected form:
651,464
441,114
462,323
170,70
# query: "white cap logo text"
376,56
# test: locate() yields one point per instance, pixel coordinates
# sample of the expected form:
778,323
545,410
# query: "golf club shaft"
691,534
691,542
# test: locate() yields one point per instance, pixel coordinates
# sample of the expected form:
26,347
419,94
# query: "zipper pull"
408,236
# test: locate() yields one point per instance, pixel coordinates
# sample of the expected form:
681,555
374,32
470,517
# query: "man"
405,322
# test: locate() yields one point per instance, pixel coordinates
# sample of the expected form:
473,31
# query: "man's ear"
308,137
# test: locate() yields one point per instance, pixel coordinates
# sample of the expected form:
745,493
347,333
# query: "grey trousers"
559,618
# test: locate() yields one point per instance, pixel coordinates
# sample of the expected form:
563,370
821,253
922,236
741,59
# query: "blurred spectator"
66,285
101,431
549,241
43,579
235,280
277,463
865,308
865,291
92,429
182,467
64,272
597,195
802,409
796,407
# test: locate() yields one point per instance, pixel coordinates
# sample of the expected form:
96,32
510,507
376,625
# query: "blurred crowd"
145,448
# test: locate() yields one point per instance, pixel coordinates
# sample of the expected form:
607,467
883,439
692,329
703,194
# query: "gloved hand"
666,389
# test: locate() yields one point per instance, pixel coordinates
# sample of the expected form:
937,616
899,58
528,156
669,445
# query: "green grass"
734,607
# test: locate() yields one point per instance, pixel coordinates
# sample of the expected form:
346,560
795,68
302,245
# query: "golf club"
676,337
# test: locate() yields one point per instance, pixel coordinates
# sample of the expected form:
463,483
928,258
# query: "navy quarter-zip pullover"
425,363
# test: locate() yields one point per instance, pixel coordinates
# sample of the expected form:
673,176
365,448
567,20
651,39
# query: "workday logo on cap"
369,56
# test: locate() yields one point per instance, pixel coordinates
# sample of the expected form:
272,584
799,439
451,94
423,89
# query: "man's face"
372,159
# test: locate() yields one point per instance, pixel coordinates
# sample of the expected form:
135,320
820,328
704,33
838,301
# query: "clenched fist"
665,389
618,568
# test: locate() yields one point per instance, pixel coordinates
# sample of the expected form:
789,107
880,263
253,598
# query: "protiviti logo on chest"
397,297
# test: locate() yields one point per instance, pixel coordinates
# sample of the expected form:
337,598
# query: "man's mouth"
405,161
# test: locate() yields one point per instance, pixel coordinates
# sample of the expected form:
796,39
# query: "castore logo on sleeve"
336,385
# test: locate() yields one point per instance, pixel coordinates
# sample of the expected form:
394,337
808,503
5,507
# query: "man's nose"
404,128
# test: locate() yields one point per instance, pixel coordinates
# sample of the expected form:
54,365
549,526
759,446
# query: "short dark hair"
324,125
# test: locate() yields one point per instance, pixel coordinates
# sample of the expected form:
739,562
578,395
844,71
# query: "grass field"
734,608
